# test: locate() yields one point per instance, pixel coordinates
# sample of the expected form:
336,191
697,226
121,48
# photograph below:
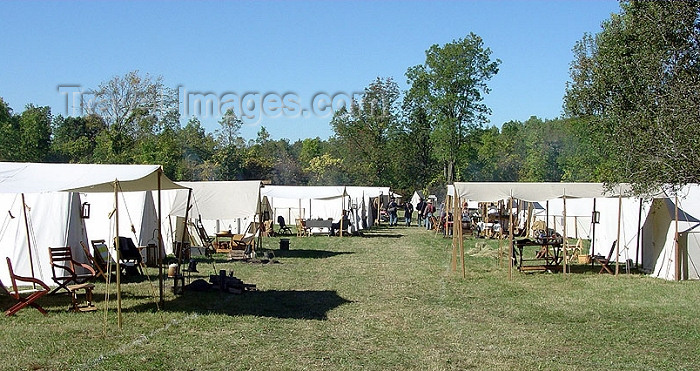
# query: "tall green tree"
453,80
417,165
363,133
198,147
228,156
638,83
35,134
74,137
9,133
134,107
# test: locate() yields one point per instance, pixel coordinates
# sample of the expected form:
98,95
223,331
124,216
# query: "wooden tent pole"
460,238
29,237
594,222
564,241
617,245
530,216
510,244
639,231
546,218
184,231
342,213
453,264
116,244
161,300
500,250
677,254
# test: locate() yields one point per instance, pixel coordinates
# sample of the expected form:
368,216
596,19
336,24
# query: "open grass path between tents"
385,301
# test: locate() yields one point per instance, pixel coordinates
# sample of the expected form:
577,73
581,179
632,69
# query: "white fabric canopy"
307,201
221,200
18,177
54,218
304,192
534,191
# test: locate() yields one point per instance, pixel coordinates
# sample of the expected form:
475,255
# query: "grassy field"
385,301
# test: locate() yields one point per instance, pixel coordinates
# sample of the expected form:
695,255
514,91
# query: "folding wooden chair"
94,262
129,256
605,261
302,231
100,253
64,267
34,292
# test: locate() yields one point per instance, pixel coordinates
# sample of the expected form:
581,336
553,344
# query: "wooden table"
547,253
222,241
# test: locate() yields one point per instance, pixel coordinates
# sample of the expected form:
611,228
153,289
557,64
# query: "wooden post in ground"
639,231
461,246
454,235
29,236
116,243
564,242
510,244
617,245
677,255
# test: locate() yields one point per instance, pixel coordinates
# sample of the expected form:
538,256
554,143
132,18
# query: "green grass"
386,301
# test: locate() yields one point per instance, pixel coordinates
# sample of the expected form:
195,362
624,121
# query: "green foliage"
363,133
638,81
9,133
452,83
325,170
74,138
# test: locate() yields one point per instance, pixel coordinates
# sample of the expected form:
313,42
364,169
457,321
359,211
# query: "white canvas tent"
139,219
308,202
221,205
364,197
24,178
655,248
659,256
417,196
533,192
52,220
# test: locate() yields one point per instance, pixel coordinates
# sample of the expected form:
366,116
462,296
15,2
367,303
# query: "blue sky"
289,50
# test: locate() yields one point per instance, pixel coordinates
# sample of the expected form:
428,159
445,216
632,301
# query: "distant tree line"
631,114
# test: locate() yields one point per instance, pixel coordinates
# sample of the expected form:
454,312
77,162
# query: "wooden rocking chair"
64,267
39,289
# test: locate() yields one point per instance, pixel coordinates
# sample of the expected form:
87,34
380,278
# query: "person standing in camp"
408,212
428,213
419,210
393,209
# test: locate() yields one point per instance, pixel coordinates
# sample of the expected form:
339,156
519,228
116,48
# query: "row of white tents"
658,233
45,205
48,205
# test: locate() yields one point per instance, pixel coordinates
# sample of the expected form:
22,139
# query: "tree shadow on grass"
308,253
384,235
311,305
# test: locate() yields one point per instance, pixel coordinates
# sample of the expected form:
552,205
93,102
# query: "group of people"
425,210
